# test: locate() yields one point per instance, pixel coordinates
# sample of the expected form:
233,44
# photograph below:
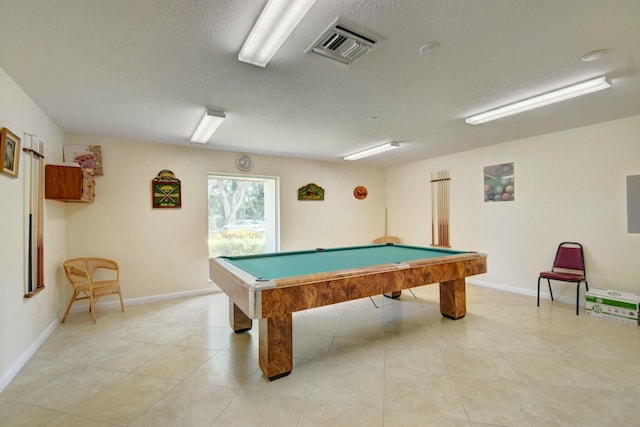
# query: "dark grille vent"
342,44
334,42
360,36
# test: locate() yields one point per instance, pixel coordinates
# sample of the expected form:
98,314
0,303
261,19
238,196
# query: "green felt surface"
289,264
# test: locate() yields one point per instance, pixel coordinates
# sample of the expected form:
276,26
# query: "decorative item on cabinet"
87,156
69,184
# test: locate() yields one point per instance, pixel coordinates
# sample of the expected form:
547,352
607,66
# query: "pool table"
270,287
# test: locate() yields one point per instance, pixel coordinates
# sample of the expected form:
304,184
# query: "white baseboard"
528,292
7,376
82,306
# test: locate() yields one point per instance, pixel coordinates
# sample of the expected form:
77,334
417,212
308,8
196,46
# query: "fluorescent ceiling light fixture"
275,24
568,92
209,123
372,151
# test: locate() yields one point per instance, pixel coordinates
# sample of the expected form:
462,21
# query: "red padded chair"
568,266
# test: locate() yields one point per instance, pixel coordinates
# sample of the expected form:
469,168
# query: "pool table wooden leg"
394,294
276,346
238,321
453,301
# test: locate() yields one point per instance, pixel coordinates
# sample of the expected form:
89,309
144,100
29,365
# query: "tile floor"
177,363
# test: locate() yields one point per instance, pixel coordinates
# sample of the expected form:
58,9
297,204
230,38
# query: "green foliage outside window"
237,242
232,204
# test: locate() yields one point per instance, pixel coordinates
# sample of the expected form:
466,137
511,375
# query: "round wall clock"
244,163
360,192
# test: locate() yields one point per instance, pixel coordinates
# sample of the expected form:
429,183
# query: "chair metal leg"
414,295
577,293
577,298
586,285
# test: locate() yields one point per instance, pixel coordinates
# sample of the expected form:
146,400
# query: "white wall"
165,250
24,322
569,186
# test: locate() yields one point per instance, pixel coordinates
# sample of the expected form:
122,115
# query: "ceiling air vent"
343,43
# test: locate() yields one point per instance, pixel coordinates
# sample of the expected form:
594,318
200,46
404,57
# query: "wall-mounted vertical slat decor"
440,208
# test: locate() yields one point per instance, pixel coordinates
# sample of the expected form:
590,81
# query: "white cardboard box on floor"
614,305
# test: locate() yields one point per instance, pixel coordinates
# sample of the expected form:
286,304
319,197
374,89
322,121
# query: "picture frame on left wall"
9,152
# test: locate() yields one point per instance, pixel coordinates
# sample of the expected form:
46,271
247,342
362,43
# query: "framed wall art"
360,192
9,152
311,191
166,191
499,183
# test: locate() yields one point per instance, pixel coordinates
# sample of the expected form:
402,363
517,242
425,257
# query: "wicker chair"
80,272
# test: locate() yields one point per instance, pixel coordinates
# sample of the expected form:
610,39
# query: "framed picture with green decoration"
166,191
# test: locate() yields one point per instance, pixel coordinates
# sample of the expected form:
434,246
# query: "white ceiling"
146,69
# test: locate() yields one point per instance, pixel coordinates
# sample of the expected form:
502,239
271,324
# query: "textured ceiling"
146,69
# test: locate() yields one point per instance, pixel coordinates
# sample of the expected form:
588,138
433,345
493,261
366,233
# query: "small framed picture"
165,190
10,152
499,183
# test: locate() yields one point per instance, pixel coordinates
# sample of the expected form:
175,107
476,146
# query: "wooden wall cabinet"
69,184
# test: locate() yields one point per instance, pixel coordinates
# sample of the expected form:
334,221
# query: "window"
243,215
